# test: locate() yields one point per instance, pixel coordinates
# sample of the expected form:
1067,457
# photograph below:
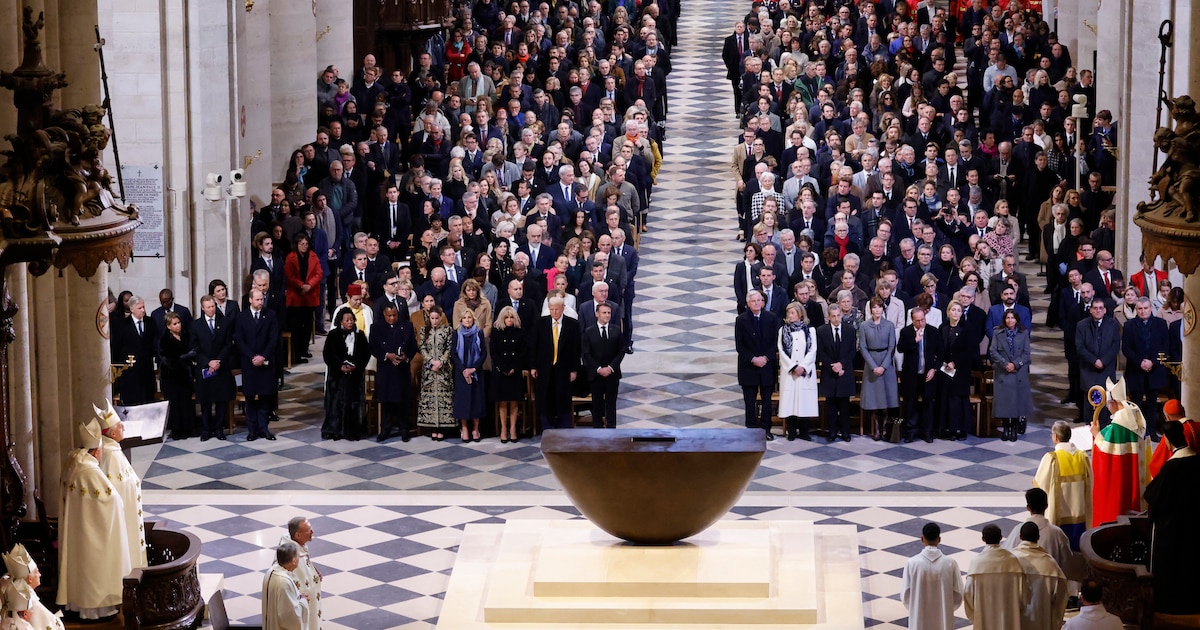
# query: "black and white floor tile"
389,517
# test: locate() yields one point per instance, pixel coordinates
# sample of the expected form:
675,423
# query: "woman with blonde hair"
797,372
469,352
509,361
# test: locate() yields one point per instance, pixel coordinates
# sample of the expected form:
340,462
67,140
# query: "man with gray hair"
135,338
342,197
308,578
555,347
284,607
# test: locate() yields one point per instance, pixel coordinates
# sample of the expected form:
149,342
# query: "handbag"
896,434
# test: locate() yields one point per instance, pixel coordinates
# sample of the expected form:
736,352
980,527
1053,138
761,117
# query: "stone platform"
760,574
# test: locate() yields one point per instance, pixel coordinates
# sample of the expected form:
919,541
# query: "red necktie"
640,85
1107,286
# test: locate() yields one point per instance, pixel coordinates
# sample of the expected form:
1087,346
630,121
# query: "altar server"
932,584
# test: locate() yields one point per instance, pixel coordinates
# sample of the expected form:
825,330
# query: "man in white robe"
932,585
122,476
93,555
300,532
284,607
1048,599
996,587
24,575
1051,537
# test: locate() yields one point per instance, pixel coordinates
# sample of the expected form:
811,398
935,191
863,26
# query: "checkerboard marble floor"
389,517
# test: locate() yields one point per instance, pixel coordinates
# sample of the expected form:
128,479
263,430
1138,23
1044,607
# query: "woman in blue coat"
467,354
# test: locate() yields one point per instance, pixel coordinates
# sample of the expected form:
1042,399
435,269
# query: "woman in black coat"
508,365
393,345
346,354
959,355
175,374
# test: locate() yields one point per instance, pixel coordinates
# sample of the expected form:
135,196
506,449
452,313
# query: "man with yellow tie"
556,348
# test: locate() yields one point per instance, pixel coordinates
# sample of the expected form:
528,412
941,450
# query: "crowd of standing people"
882,208
462,235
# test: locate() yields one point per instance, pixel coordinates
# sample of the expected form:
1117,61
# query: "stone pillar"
20,379
76,22
90,357
10,58
1191,352
52,387
254,136
335,38
293,78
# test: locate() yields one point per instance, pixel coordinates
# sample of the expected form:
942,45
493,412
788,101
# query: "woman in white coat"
797,372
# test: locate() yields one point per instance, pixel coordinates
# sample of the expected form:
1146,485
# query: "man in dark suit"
555,347
390,296
266,259
393,345
527,310
543,216
602,352
1073,304
922,350
211,338
256,337
393,224
836,347
1144,339
1097,344
588,315
754,336
357,270
444,292
733,51
997,282
1104,275
775,294
166,300
135,336
541,256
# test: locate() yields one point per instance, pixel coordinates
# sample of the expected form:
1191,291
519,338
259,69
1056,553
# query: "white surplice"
932,590
996,590
282,606
308,580
1048,588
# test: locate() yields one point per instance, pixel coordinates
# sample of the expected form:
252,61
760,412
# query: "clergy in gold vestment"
1065,474
284,607
122,476
93,555
15,603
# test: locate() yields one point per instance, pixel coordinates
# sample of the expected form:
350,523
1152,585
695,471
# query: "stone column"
77,56
10,57
335,37
20,379
90,357
52,385
293,78
254,136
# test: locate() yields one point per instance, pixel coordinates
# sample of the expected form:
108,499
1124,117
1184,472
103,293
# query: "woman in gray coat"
1012,398
877,337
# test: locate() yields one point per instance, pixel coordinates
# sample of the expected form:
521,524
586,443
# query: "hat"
1116,390
19,563
17,596
354,289
1173,408
88,435
107,417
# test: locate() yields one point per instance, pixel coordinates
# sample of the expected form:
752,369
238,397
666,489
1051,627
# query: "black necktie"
139,327
256,313
837,336
604,333
360,276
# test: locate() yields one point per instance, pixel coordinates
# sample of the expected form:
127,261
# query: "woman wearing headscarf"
346,354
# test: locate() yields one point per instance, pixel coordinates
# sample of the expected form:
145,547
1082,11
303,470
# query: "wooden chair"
984,393
287,344
529,424
578,404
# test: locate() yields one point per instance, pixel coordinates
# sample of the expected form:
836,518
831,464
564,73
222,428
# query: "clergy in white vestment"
15,601
24,575
300,532
995,587
1066,475
1051,537
932,584
284,607
122,476
1092,615
93,555
1048,586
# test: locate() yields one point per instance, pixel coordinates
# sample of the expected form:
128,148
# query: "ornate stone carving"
1169,221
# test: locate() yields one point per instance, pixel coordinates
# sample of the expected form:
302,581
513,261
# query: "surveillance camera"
237,183
212,179
212,187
